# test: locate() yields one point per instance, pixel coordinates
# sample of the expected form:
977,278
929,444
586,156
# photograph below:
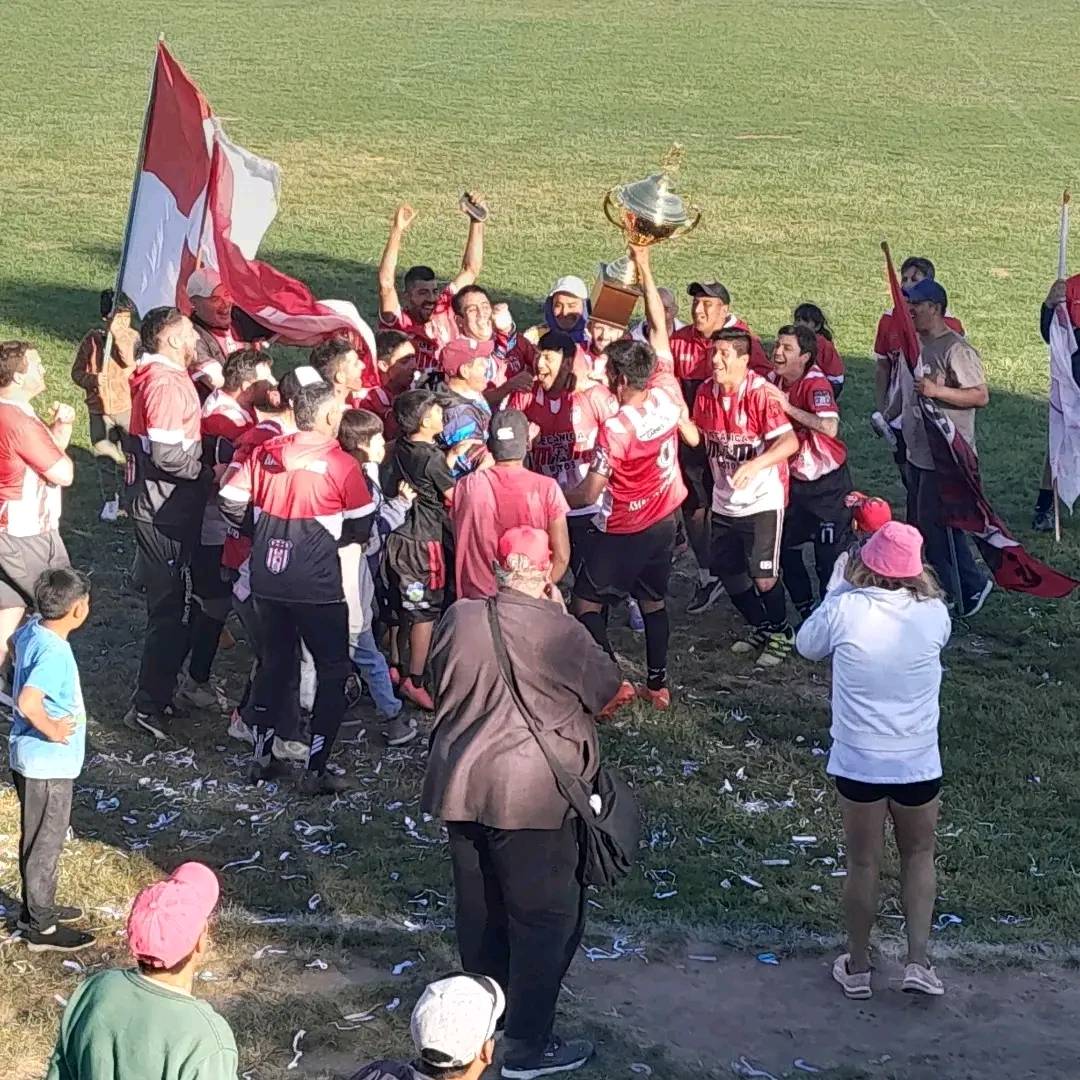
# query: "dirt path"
1000,1024
1005,1023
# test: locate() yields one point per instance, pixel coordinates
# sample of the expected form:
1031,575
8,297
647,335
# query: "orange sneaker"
416,694
658,699
623,696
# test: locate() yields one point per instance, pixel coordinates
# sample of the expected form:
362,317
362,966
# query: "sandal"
922,980
857,987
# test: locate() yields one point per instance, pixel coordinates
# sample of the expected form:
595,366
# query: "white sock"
704,577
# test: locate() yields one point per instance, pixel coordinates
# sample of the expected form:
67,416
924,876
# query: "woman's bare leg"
915,838
864,834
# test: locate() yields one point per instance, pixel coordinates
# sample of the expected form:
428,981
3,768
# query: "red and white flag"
963,504
201,196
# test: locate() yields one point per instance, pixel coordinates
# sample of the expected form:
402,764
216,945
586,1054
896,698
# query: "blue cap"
927,290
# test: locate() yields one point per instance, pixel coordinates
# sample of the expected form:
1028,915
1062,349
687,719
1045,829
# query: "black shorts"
628,564
698,476
746,545
582,533
918,794
816,510
416,574
23,559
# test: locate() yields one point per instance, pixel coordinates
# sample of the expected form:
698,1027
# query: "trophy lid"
653,200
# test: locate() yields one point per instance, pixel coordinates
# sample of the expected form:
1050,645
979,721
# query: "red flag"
200,196
963,505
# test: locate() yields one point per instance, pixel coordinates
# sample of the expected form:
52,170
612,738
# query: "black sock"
657,632
748,605
774,603
596,624
264,739
1045,501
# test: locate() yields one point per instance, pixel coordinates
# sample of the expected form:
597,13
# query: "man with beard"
423,311
169,485
220,328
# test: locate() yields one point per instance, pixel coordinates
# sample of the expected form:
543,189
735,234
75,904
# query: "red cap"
524,541
168,917
461,351
869,512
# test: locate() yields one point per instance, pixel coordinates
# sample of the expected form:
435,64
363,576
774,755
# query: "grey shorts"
23,560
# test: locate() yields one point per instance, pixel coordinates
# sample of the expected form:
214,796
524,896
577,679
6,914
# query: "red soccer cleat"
658,699
623,696
416,694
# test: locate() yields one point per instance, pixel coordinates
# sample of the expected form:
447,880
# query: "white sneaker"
288,750
239,730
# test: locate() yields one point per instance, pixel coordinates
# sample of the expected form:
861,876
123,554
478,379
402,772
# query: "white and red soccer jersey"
29,506
428,337
736,428
224,420
513,354
819,454
567,425
637,450
236,552
306,493
692,352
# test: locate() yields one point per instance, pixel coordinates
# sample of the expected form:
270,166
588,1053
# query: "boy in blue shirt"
48,742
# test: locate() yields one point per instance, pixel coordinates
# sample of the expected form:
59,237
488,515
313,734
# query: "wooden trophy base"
613,302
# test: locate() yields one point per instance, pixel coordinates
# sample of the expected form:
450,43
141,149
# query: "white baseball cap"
454,1018
202,282
572,286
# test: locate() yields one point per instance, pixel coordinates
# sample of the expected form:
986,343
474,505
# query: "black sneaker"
57,939
754,641
273,770
63,915
400,731
1043,521
973,604
705,595
159,724
323,784
557,1057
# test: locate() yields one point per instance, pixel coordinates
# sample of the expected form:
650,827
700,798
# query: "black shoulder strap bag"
611,836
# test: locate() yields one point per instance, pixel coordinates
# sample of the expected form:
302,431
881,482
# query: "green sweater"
120,1025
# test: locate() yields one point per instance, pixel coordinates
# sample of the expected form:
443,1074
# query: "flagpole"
140,157
1063,242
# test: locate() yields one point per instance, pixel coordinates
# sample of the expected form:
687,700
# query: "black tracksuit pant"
520,915
165,564
324,629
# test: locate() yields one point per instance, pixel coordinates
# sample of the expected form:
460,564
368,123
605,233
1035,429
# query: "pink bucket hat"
894,551
168,917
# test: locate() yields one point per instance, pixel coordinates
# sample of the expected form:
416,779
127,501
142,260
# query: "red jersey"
568,424
428,337
637,450
513,354
885,339
819,454
736,428
692,353
830,361
236,554
224,420
29,506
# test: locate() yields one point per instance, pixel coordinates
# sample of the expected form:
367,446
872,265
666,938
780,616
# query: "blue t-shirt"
45,661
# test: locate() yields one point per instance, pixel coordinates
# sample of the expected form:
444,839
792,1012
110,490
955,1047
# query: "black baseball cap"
508,436
709,288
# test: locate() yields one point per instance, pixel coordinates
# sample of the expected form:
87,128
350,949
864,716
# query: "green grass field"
813,130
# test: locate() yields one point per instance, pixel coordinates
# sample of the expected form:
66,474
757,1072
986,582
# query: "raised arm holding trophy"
648,212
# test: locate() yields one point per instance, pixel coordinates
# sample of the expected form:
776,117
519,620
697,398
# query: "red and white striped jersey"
735,429
637,450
